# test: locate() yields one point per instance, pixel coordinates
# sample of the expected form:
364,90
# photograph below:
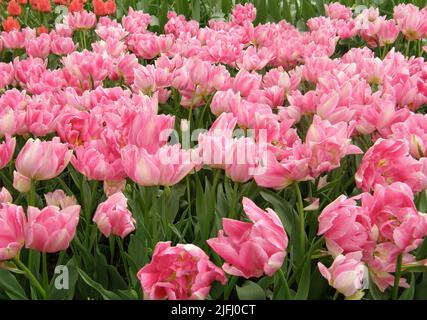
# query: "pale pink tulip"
5,195
43,160
347,273
60,199
51,229
113,217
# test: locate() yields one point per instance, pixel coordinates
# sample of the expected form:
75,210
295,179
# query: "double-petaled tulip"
328,144
60,199
388,161
168,166
40,160
12,226
179,273
51,229
347,274
113,217
5,195
392,210
346,227
251,249
7,148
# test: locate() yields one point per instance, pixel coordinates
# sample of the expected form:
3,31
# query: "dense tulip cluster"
260,107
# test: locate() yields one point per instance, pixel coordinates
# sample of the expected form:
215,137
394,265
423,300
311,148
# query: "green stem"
44,266
30,276
123,255
229,287
234,200
397,276
408,44
187,181
31,200
112,247
300,208
285,285
335,297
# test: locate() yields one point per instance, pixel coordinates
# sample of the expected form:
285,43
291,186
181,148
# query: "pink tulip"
59,199
62,46
272,173
245,82
38,47
5,195
392,210
346,227
243,13
113,217
224,101
336,10
42,160
179,273
7,74
98,161
347,273
113,186
213,145
251,249
136,21
388,32
51,229
12,226
21,183
7,149
328,144
241,159
149,45
150,131
411,21
168,166
80,20
77,127
413,131
388,161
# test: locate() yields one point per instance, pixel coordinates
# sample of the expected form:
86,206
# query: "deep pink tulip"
346,227
12,226
179,273
388,161
251,249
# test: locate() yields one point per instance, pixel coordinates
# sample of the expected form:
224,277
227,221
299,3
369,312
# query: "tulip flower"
168,166
12,226
347,274
40,160
179,273
51,229
251,249
113,217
